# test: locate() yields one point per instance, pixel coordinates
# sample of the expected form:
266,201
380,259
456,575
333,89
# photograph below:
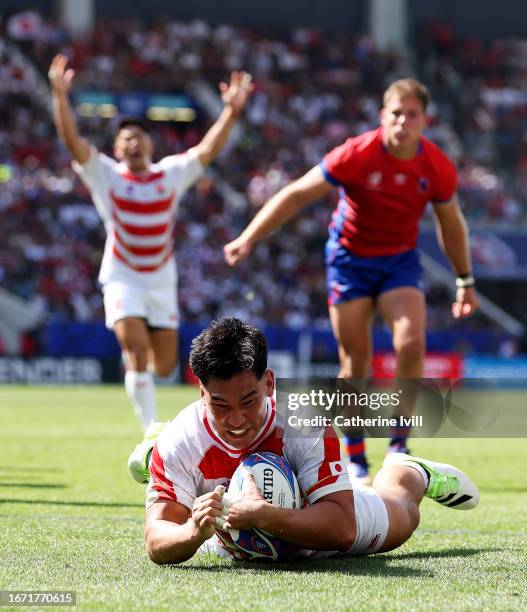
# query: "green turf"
71,518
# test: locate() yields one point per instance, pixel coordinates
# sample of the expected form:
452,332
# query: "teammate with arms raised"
196,455
385,178
137,201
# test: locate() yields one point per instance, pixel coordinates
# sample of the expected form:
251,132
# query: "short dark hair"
125,122
228,347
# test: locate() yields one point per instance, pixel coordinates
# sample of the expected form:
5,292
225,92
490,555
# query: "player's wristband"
465,281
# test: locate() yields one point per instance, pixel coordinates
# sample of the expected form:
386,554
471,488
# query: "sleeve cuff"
323,491
443,201
82,168
327,175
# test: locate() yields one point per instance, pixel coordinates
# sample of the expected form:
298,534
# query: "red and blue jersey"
382,198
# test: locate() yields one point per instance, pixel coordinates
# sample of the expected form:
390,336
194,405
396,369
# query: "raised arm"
234,96
452,234
60,79
278,210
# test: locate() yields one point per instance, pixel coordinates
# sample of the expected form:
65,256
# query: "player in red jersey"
385,179
137,200
197,453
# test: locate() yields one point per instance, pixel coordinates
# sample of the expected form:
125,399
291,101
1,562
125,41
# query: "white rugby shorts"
372,521
157,306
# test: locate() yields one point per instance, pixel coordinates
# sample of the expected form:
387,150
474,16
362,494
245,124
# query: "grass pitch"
71,519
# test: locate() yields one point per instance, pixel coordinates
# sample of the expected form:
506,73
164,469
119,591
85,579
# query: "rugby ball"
277,484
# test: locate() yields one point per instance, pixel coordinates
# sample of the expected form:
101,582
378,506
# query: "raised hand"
60,77
236,93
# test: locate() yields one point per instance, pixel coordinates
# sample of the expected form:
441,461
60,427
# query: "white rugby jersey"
189,459
139,212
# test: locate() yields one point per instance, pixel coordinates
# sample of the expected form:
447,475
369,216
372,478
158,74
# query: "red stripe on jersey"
216,463
267,429
141,268
137,178
139,250
331,455
139,230
273,444
158,478
143,208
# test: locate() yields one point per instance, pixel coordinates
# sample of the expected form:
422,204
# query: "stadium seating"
311,93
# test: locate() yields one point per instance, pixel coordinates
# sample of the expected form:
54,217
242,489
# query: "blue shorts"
350,276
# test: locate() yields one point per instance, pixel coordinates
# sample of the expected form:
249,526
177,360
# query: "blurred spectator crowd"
313,90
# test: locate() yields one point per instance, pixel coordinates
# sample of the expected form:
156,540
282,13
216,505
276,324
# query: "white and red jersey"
139,212
189,458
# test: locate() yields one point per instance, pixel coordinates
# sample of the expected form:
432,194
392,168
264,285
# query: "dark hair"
228,347
125,122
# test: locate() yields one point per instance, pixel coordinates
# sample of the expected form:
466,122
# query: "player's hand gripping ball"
277,484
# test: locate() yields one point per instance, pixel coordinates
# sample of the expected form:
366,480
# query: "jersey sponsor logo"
399,179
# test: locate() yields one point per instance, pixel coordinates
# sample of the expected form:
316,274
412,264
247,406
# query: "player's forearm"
67,127
454,241
323,526
217,136
167,542
282,207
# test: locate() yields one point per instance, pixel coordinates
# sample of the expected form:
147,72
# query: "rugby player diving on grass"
194,457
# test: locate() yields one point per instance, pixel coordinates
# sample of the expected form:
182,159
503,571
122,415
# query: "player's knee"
414,516
410,350
355,364
137,358
165,369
